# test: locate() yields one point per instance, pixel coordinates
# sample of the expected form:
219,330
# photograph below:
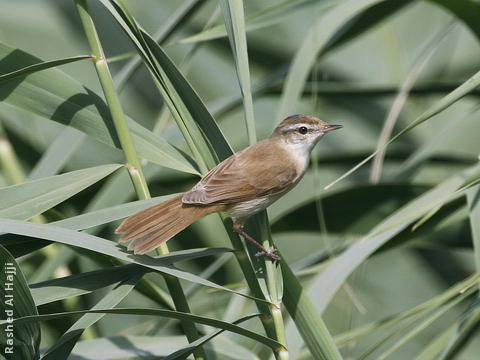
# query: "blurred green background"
354,81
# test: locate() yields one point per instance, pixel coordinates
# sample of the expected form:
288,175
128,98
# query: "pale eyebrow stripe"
295,127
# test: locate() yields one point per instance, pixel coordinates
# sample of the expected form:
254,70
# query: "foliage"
378,261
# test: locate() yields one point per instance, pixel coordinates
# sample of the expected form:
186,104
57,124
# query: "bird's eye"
302,130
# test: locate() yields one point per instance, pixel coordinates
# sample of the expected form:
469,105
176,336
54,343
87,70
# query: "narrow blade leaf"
32,198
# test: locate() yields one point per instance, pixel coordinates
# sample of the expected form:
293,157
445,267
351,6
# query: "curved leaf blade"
63,347
471,84
338,271
258,20
40,66
157,312
54,95
105,247
317,39
467,11
32,198
79,284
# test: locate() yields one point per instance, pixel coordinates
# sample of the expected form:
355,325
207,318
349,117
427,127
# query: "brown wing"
253,172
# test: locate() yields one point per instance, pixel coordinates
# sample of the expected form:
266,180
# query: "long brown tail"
149,228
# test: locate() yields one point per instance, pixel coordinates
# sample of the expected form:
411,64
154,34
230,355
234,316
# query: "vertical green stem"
133,165
275,284
235,24
273,322
249,275
473,201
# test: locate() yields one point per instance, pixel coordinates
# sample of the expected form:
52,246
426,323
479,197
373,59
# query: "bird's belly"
248,208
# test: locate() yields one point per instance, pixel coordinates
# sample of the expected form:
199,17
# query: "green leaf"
58,258
423,325
427,149
467,11
468,323
99,245
40,66
321,32
174,21
32,198
469,85
109,214
338,271
234,16
200,114
22,246
366,21
22,341
436,108
183,352
466,327
119,348
195,139
307,318
54,95
84,283
468,285
435,347
63,347
473,201
57,154
260,19
156,312
401,98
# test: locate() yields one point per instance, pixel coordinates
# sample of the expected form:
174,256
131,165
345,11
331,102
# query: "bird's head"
302,131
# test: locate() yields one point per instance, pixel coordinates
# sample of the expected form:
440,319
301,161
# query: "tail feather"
143,218
151,227
135,231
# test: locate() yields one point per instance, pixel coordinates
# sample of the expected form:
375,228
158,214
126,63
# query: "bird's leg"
269,253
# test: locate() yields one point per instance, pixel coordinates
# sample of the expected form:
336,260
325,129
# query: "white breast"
300,152
250,207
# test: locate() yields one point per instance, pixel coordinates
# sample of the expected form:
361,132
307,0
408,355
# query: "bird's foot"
269,253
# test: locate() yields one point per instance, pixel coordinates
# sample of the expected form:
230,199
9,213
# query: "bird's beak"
328,128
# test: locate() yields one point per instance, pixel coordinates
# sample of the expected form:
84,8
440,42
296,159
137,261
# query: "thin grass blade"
57,154
105,247
438,107
181,14
79,284
54,95
466,10
156,312
336,273
234,16
63,347
39,67
318,37
260,19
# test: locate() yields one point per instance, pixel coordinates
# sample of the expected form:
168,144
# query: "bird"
242,185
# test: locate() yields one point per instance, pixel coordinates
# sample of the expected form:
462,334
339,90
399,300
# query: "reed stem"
133,164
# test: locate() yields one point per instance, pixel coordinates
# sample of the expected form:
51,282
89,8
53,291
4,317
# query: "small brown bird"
242,185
